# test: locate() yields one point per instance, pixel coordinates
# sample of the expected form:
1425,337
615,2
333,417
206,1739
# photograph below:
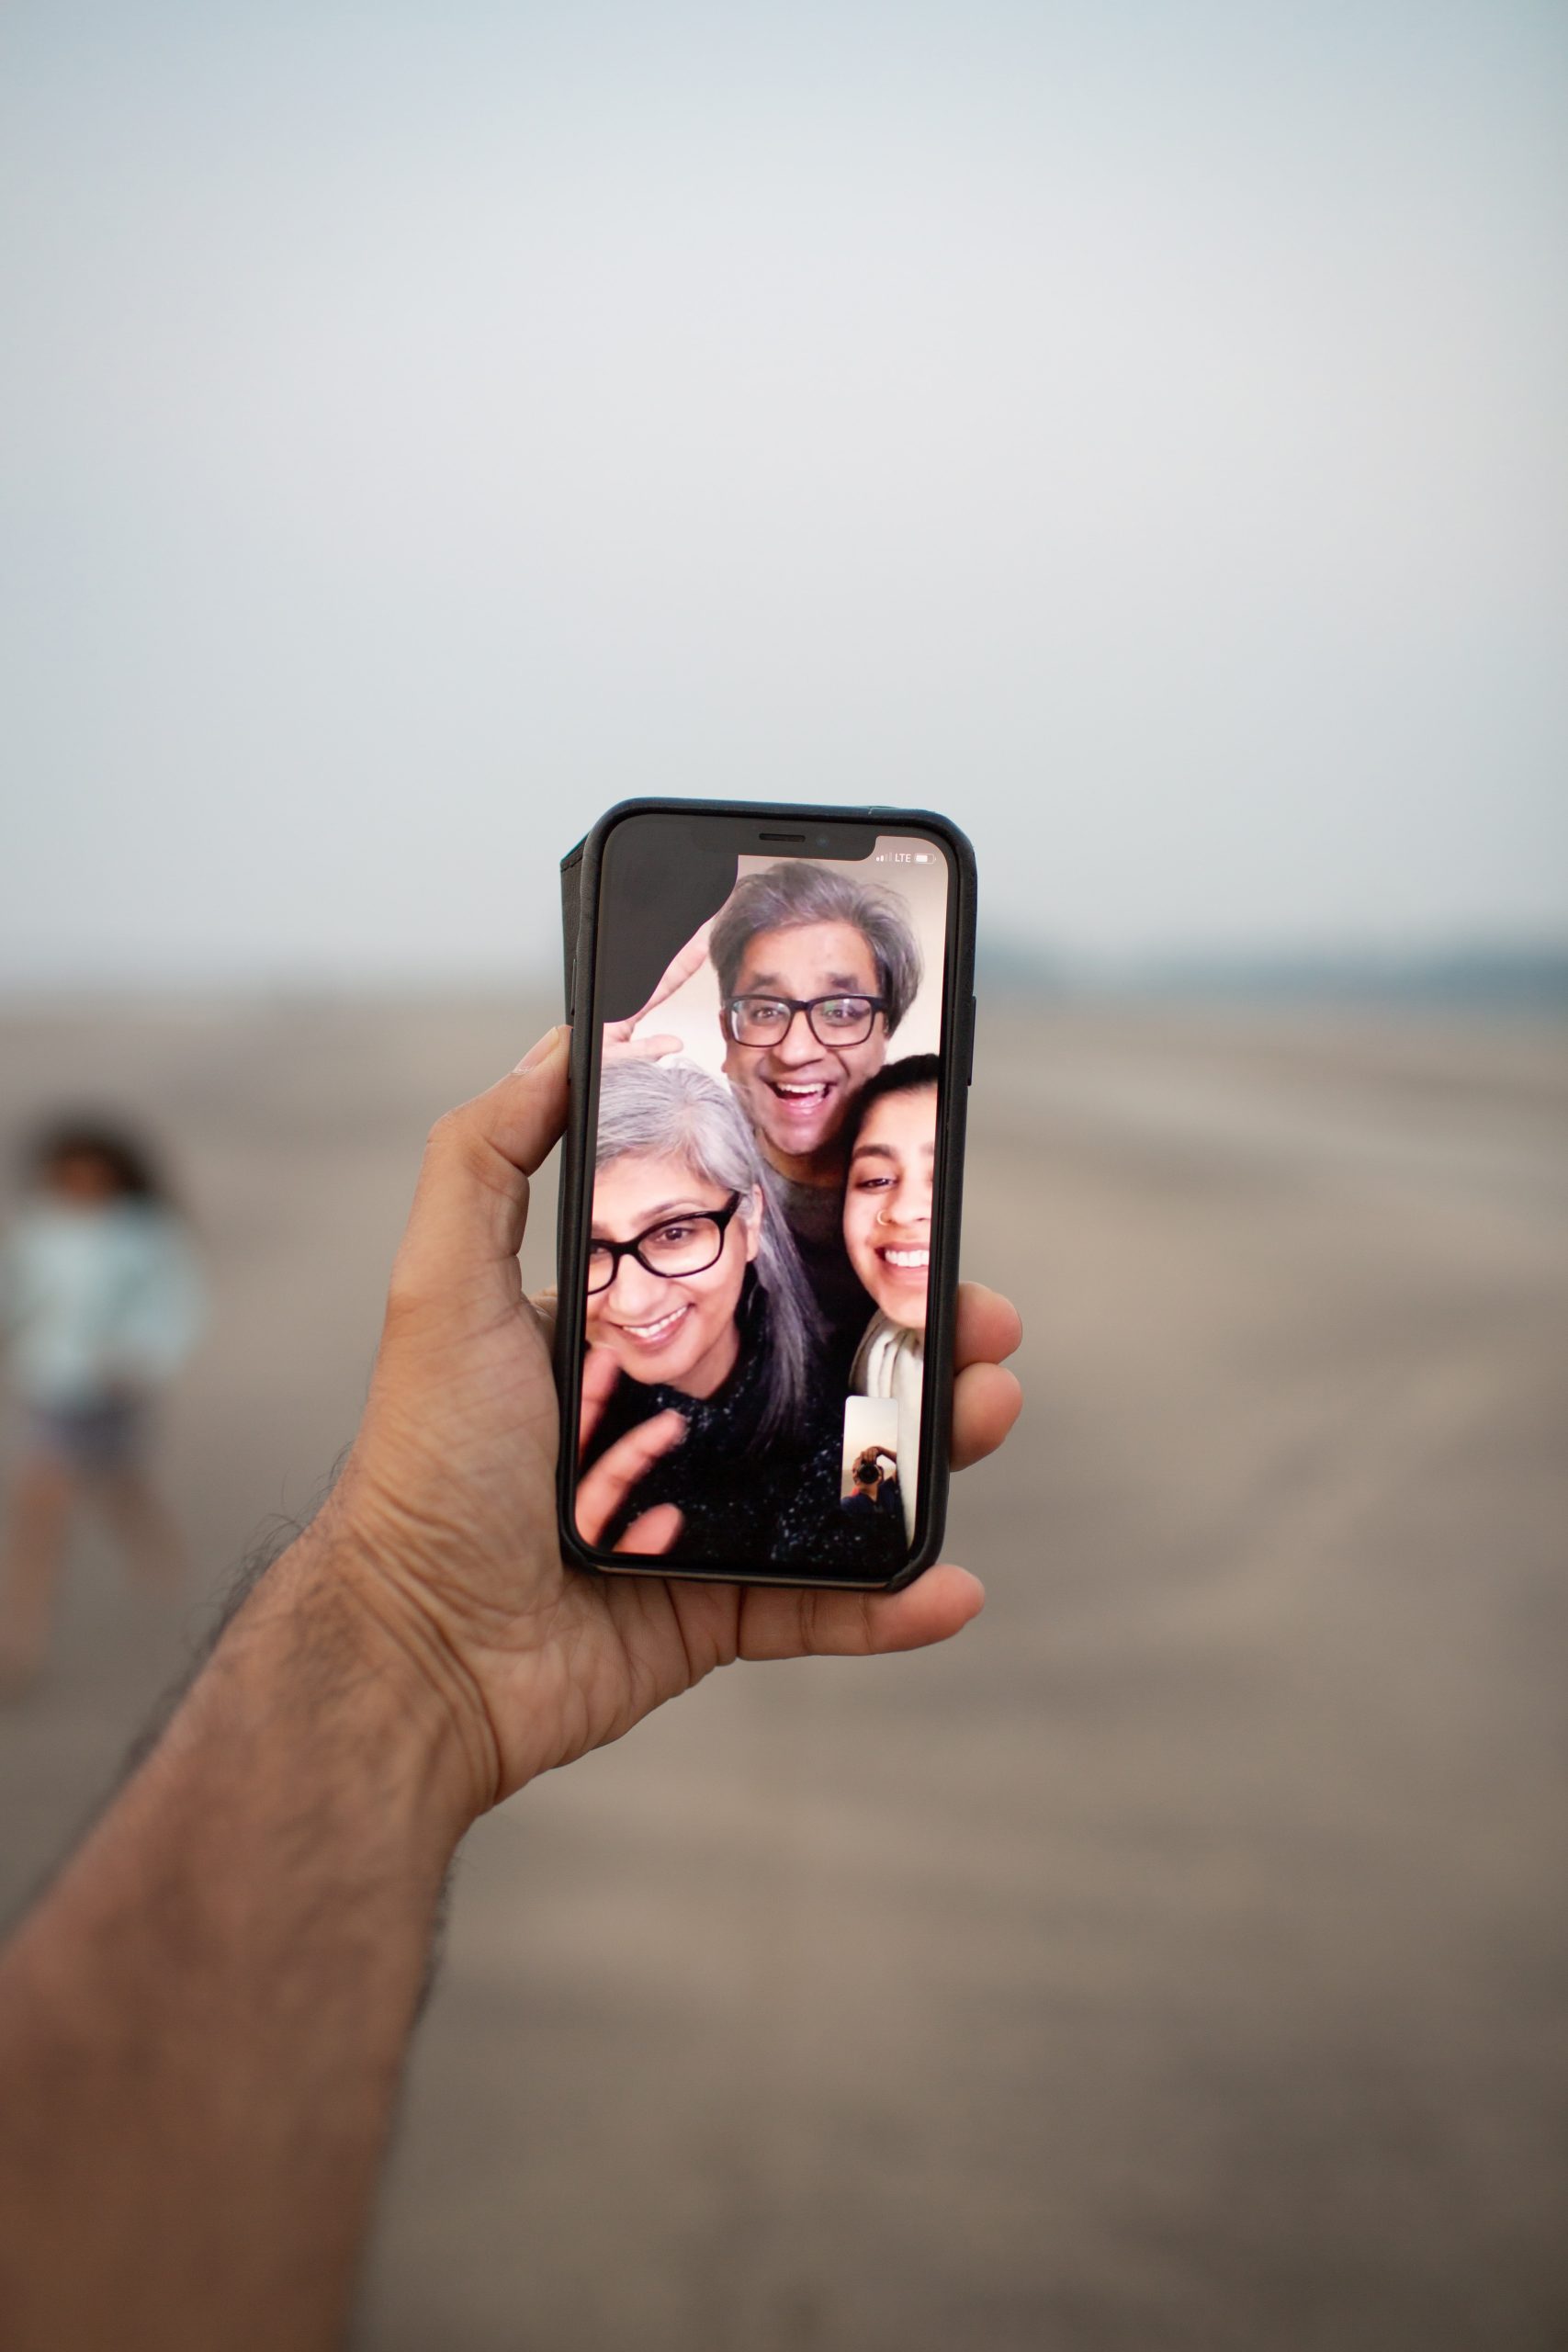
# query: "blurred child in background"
100,1303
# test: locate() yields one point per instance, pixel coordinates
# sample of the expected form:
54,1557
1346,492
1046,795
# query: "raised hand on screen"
621,1044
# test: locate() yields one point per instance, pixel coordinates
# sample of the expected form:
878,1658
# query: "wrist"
362,1646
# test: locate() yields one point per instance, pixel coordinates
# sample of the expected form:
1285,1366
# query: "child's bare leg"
29,1567
153,1542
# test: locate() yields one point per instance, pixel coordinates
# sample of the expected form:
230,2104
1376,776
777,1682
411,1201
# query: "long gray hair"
673,1111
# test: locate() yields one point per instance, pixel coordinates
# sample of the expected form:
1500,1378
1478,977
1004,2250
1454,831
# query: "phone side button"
973,1016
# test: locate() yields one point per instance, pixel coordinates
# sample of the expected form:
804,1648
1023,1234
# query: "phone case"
581,870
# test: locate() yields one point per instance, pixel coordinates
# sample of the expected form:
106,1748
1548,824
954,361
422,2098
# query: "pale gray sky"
1135,430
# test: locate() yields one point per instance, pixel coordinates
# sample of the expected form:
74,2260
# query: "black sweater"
744,1504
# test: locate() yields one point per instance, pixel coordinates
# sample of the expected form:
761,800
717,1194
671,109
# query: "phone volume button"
973,1016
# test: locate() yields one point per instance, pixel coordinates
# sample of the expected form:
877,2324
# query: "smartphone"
772,1027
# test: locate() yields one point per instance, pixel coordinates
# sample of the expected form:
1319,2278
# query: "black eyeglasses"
832,1020
676,1245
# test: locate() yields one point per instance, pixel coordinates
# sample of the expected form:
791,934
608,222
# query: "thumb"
471,1203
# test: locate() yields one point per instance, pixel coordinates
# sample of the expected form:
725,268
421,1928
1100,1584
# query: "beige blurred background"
1179,1957
1138,434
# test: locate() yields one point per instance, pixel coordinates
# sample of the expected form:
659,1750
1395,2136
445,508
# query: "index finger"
600,1374
610,1483
679,968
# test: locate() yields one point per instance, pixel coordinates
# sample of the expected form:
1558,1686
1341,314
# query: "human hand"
619,1043
602,1491
443,1525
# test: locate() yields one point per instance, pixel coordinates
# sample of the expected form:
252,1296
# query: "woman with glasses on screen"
697,1297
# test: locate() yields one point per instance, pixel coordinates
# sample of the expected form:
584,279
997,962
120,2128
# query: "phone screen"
763,1170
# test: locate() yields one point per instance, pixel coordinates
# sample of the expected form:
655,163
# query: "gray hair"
674,1111
795,892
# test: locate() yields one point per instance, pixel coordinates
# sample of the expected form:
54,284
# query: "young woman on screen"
887,1233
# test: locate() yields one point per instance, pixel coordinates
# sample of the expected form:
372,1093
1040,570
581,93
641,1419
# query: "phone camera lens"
822,841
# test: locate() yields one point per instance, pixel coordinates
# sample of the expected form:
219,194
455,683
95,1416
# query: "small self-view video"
869,1458
761,1225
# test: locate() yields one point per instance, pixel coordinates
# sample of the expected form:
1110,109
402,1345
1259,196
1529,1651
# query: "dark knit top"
744,1503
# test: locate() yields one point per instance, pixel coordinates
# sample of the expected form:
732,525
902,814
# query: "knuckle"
811,1628
408,1301
447,1138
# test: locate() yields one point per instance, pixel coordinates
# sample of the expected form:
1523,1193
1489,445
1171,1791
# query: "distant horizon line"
1482,966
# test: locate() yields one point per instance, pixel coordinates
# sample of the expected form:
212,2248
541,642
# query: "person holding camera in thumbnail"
815,969
875,1494
887,1232
703,1343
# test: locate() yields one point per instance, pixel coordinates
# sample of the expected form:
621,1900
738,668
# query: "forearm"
203,2024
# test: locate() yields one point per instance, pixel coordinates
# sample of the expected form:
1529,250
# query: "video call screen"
760,1242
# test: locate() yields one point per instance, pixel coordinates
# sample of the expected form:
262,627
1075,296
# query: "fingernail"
539,1053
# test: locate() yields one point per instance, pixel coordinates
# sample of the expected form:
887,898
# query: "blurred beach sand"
1177,1961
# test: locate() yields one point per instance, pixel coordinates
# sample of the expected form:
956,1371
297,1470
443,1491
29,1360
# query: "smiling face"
680,1330
887,1207
797,1093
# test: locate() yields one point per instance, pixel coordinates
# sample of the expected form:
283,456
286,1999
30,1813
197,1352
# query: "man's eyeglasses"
832,1020
676,1245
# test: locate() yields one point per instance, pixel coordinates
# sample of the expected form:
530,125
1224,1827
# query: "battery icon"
922,857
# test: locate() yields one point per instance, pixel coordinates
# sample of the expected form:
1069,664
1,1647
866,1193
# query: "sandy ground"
1175,1961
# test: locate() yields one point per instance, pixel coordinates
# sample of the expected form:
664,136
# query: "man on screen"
816,970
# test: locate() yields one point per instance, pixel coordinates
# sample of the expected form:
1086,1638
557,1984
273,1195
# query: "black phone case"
579,936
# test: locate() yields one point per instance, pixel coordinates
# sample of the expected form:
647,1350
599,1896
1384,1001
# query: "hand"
443,1525
620,1467
620,1045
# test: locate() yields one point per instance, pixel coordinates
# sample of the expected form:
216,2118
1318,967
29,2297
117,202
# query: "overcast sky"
1135,430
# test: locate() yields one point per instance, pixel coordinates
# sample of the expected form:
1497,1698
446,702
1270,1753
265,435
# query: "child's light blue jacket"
96,1302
